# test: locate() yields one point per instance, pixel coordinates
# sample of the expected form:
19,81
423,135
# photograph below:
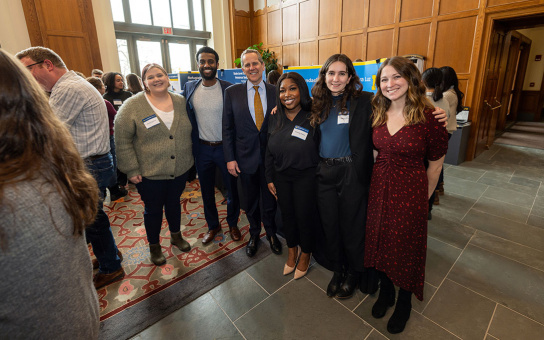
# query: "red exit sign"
167,30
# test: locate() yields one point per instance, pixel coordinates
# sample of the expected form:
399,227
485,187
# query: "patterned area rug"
148,293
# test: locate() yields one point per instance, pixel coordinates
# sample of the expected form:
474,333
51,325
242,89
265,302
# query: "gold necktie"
259,115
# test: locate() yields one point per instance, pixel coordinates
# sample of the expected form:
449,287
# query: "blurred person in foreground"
47,198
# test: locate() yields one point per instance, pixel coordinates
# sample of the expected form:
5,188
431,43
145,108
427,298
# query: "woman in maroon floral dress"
405,132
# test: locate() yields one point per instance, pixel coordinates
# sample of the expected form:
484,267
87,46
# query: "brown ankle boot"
155,252
179,242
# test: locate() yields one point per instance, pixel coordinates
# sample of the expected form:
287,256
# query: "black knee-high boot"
386,298
398,320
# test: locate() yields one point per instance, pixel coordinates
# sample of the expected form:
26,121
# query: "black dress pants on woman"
342,203
296,198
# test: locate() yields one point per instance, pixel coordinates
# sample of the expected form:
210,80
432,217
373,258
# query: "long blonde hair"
34,143
416,102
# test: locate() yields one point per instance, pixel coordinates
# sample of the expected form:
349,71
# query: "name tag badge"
300,132
343,119
151,121
117,102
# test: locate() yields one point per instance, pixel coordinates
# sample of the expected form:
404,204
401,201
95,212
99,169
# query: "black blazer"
360,136
242,141
188,91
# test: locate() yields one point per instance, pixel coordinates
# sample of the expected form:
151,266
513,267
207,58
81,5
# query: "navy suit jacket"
188,91
242,141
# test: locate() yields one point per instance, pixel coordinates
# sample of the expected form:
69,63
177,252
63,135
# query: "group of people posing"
346,167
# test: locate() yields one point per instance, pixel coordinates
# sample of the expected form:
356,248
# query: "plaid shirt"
79,105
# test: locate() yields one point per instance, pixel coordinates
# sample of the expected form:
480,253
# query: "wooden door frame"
479,79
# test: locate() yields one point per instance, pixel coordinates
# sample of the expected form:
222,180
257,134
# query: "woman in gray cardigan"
153,140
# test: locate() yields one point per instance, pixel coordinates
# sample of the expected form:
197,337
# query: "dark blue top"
334,136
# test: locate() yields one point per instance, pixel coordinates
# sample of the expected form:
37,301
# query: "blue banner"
365,70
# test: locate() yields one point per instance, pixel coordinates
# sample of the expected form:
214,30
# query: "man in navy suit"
205,110
246,109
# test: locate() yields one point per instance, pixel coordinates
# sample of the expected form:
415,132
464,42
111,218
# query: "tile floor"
484,275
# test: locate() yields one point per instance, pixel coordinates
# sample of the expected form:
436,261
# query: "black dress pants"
297,200
261,205
342,202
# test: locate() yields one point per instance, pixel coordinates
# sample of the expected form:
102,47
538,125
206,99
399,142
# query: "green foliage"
270,62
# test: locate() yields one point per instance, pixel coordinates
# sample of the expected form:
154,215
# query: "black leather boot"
369,281
398,320
386,298
350,284
335,284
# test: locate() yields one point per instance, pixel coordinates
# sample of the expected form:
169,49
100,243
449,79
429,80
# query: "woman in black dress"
291,160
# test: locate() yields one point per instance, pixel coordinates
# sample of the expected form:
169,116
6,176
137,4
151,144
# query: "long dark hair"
305,99
322,95
449,80
34,144
414,109
109,81
432,78
133,83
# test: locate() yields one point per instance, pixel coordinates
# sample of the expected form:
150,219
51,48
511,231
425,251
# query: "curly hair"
305,99
322,95
416,102
109,81
34,143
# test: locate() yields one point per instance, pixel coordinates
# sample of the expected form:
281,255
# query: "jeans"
159,194
208,159
99,233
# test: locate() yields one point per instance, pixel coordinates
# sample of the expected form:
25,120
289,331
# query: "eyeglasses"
30,66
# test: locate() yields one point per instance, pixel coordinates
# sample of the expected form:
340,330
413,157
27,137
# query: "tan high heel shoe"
287,269
299,273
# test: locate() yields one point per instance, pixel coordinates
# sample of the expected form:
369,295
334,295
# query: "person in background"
404,133
81,108
115,89
134,83
205,109
246,109
454,97
97,73
80,74
291,161
272,77
153,140
47,198
116,95
116,191
432,79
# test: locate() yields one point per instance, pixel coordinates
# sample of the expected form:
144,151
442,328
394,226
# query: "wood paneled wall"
445,32
68,28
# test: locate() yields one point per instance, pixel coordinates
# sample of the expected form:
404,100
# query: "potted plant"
270,62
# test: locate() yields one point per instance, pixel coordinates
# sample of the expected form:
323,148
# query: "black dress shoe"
348,287
252,246
335,284
275,244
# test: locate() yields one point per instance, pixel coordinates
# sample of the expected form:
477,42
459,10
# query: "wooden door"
524,49
498,51
68,28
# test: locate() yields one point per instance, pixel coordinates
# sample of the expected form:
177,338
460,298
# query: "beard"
211,76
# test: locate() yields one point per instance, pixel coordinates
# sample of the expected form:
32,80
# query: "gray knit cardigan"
155,153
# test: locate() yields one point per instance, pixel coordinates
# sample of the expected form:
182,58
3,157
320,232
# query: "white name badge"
343,119
117,102
300,132
151,121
